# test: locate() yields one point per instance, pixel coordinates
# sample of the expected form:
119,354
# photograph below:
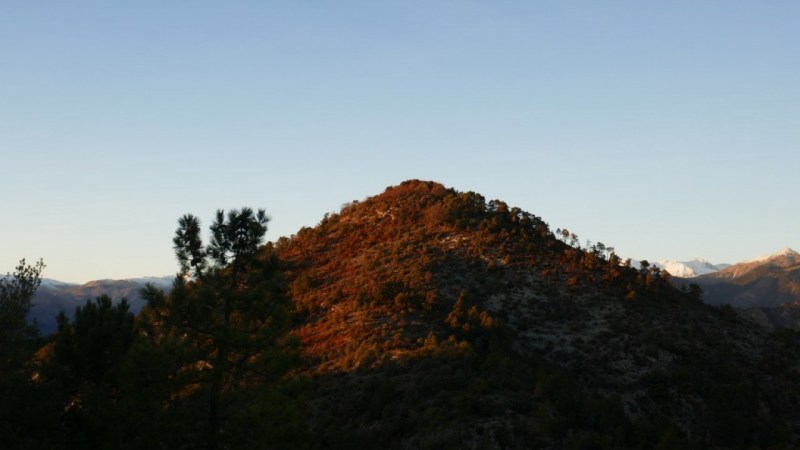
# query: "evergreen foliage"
22,402
225,319
16,335
224,322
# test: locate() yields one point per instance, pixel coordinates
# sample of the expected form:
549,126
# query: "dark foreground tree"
225,322
24,407
90,347
84,365
16,293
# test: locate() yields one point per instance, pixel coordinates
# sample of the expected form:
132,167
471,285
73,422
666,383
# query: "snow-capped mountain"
690,269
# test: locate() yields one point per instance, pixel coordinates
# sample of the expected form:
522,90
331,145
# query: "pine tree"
16,293
24,409
85,360
228,310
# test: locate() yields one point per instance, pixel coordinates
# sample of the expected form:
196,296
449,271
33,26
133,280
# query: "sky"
669,130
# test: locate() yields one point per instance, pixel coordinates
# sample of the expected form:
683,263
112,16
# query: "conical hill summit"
417,248
430,317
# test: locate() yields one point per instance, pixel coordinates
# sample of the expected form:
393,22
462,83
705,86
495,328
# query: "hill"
431,318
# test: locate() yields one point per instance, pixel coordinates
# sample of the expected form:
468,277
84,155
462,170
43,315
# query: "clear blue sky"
666,129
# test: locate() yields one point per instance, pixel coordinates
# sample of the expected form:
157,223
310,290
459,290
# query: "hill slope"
768,281
432,318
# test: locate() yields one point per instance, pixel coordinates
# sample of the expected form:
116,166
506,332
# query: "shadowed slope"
424,283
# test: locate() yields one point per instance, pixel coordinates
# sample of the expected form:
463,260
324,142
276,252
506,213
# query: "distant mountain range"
691,268
765,290
768,281
54,296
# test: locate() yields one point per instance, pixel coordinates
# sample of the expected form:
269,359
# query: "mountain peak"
766,281
690,269
782,253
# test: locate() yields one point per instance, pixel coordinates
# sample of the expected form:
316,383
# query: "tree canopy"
16,293
227,314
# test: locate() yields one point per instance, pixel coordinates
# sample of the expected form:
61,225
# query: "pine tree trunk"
214,414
